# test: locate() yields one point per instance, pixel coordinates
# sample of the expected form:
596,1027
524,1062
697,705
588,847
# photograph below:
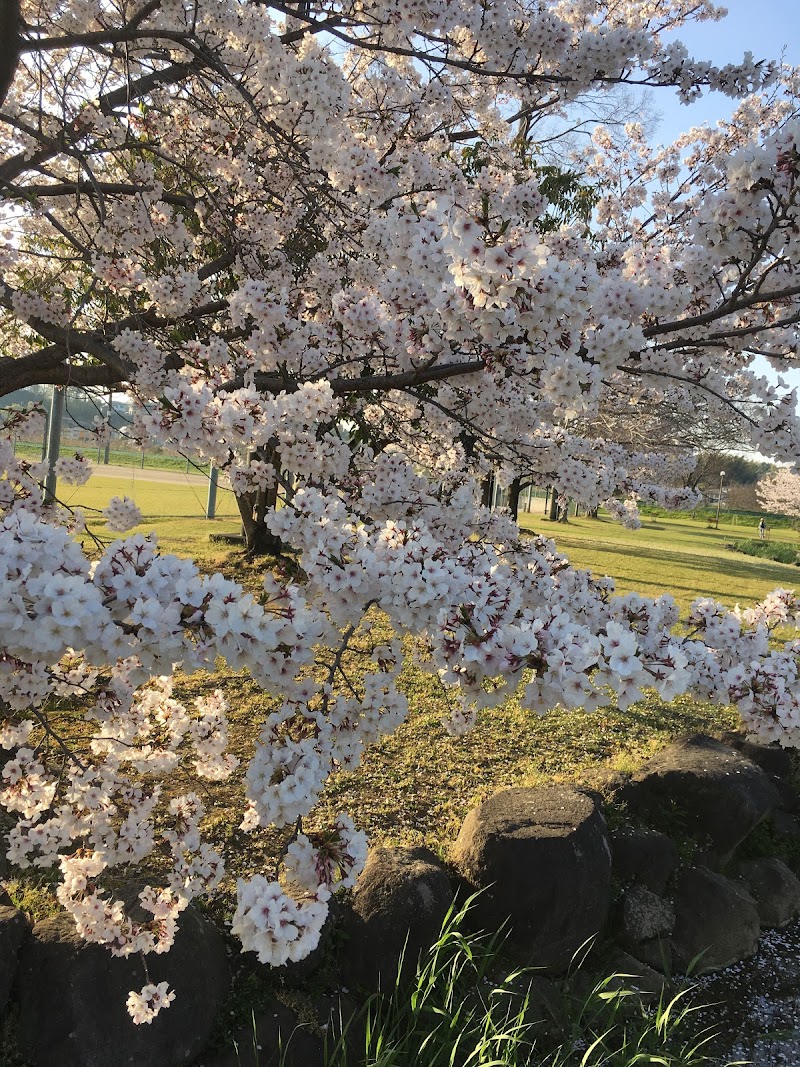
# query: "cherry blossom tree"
780,493
316,238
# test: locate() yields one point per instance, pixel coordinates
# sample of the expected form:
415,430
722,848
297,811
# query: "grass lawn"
675,555
418,784
157,501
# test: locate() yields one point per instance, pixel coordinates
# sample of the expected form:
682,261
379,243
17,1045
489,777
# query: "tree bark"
259,541
9,44
514,491
553,516
487,491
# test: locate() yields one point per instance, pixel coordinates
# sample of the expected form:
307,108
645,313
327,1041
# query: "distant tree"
780,493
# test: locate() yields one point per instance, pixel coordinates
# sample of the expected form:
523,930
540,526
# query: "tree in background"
257,219
780,493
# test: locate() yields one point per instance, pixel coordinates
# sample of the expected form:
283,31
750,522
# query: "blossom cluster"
360,301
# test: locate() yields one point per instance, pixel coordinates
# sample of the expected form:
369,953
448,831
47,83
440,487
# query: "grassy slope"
418,784
675,555
158,501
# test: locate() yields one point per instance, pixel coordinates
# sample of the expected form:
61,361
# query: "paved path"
138,474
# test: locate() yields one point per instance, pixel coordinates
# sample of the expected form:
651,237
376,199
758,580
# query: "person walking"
762,529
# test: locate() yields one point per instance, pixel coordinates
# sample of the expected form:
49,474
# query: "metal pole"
108,442
54,441
47,415
211,503
719,499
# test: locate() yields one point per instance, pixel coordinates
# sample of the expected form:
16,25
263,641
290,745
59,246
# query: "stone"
643,856
73,994
628,973
14,930
713,793
775,889
398,906
715,920
785,825
645,915
344,1021
273,1038
298,972
542,860
656,953
769,755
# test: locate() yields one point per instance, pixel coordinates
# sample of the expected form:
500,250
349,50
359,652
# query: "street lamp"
719,499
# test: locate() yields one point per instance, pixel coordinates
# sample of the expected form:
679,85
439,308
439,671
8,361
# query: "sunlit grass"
675,555
185,497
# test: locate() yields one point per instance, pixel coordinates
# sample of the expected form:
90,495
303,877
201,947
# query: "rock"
627,972
398,906
715,917
775,889
713,793
537,998
297,972
14,930
645,856
785,825
274,1038
645,915
769,755
344,1023
656,953
73,994
542,859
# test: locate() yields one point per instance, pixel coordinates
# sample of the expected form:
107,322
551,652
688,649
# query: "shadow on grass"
780,573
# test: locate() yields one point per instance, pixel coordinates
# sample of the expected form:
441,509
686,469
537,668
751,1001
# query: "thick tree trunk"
514,491
9,44
253,507
487,491
553,516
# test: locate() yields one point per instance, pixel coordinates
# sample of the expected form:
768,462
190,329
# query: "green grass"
154,459
157,501
779,551
416,786
462,1009
668,555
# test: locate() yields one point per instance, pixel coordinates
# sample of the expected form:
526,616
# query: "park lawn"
415,786
675,555
156,499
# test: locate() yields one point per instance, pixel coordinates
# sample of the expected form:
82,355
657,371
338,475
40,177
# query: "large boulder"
643,856
398,906
274,1037
542,860
775,889
645,916
708,791
73,994
715,920
14,930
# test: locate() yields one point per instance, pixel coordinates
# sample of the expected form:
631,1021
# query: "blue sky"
764,27
770,29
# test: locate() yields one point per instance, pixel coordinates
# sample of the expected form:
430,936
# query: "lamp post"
719,499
